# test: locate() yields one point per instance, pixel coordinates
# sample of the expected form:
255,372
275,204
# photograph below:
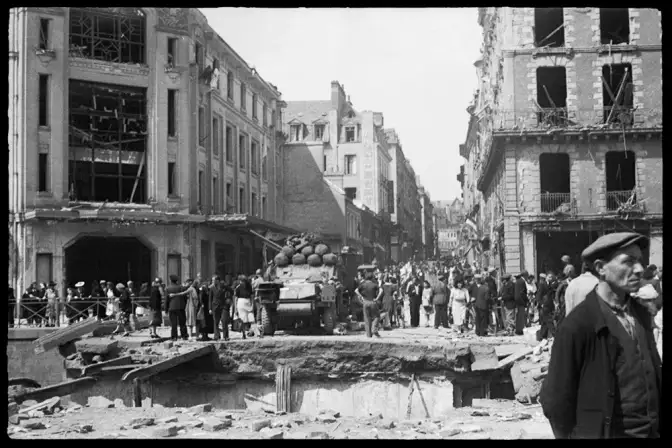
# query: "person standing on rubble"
604,377
175,305
219,308
545,298
481,303
440,298
244,308
520,293
414,291
509,302
370,294
155,299
125,309
580,287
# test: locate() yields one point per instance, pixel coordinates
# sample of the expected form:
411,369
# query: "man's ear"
598,266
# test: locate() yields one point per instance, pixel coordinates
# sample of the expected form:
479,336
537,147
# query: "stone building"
141,145
427,250
564,141
332,148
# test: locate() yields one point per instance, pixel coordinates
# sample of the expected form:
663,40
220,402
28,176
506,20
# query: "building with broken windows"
141,145
426,223
564,141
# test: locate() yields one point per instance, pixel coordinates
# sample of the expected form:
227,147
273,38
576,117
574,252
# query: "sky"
415,65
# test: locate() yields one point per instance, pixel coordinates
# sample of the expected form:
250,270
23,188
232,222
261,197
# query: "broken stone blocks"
99,402
258,425
96,346
201,408
166,431
215,424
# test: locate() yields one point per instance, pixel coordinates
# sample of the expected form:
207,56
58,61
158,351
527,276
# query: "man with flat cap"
509,303
520,293
604,378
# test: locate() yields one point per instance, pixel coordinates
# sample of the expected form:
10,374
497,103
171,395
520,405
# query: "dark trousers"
481,321
371,317
221,315
415,302
440,316
521,319
178,317
547,329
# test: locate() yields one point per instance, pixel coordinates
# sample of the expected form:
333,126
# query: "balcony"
557,203
623,202
532,119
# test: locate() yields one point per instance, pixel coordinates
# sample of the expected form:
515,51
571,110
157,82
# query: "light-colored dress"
245,310
658,321
192,307
459,298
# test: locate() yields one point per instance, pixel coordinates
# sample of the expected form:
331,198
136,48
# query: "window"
174,264
614,26
215,136
264,111
243,97
198,50
295,133
229,196
319,131
253,158
349,134
215,66
618,95
215,196
229,85
264,163
254,205
229,143
172,116
42,184
351,193
241,200
350,164
273,122
172,51
43,93
549,27
44,34
254,106
621,179
171,179
554,178
324,163
43,268
200,188
264,212
108,34
552,96
242,154
201,126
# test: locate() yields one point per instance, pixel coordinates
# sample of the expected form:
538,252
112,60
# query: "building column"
656,247
512,241
528,243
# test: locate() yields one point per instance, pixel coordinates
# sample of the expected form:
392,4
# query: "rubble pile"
529,372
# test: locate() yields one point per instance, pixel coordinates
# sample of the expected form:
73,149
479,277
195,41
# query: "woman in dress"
193,303
459,297
52,299
244,307
427,306
155,302
125,309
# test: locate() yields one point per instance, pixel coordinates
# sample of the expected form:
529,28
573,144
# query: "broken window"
229,196
254,106
172,110
44,34
243,97
215,66
264,165
324,163
549,27
241,200
295,133
198,50
201,126
614,26
253,208
43,169
350,134
319,131
554,173
172,51
199,198
43,94
351,193
215,205
215,135
108,142
618,95
171,179
229,85
351,164
264,213
264,111
552,96
621,181
253,157
229,144
108,34
242,155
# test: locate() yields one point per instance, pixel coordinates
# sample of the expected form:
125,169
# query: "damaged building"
565,136
141,145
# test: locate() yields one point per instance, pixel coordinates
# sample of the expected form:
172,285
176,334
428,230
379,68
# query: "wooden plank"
137,393
124,368
60,389
95,368
149,371
65,335
515,357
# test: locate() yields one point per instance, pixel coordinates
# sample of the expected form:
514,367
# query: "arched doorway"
114,259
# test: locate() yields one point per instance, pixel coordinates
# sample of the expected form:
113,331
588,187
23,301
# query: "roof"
307,112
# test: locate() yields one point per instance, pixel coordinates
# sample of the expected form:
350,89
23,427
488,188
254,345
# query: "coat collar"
598,317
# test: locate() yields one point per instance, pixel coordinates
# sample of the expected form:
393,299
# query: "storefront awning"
269,229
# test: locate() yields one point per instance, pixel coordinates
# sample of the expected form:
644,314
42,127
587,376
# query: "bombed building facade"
140,145
565,134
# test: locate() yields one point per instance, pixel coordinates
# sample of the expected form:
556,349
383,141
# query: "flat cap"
506,276
605,245
121,286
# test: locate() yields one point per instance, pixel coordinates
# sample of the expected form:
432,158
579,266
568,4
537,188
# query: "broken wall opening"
614,26
554,177
551,246
621,180
552,96
107,142
618,95
549,27
108,34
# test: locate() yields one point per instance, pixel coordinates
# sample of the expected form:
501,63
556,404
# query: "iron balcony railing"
622,201
547,118
557,202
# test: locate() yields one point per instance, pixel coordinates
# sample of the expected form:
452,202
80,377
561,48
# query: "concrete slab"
96,346
28,334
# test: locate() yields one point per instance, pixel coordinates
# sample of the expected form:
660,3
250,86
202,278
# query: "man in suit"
520,294
175,304
481,306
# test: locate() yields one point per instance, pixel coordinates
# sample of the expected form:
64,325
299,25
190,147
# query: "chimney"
335,94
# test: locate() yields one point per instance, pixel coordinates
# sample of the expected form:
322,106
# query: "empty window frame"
350,134
242,152
351,164
108,34
172,113
254,157
229,85
319,131
549,27
44,34
215,135
241,200
243,97
43,98
264,163
614,26
229,144
107,142
351,193
618,93
201,126
172,190
264,111
230,200
43,173
324,163
199,193
172,51
295,133
621,179
552,96
253,205
199,54
554,178
215,66
214,195
254,106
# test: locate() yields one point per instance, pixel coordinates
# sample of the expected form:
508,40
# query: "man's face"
623,272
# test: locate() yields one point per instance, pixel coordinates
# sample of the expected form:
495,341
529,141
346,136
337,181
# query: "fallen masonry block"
83,429
446,433
486,403
17,418
200,408
326,418
12,408
33,424
149,371
140,422
165,431
166,420
65,335
99,402
50,403
480,414
272,434
92,369
224,415
214,424
471,428
318,435
258,425
60,389
282,423
96,346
